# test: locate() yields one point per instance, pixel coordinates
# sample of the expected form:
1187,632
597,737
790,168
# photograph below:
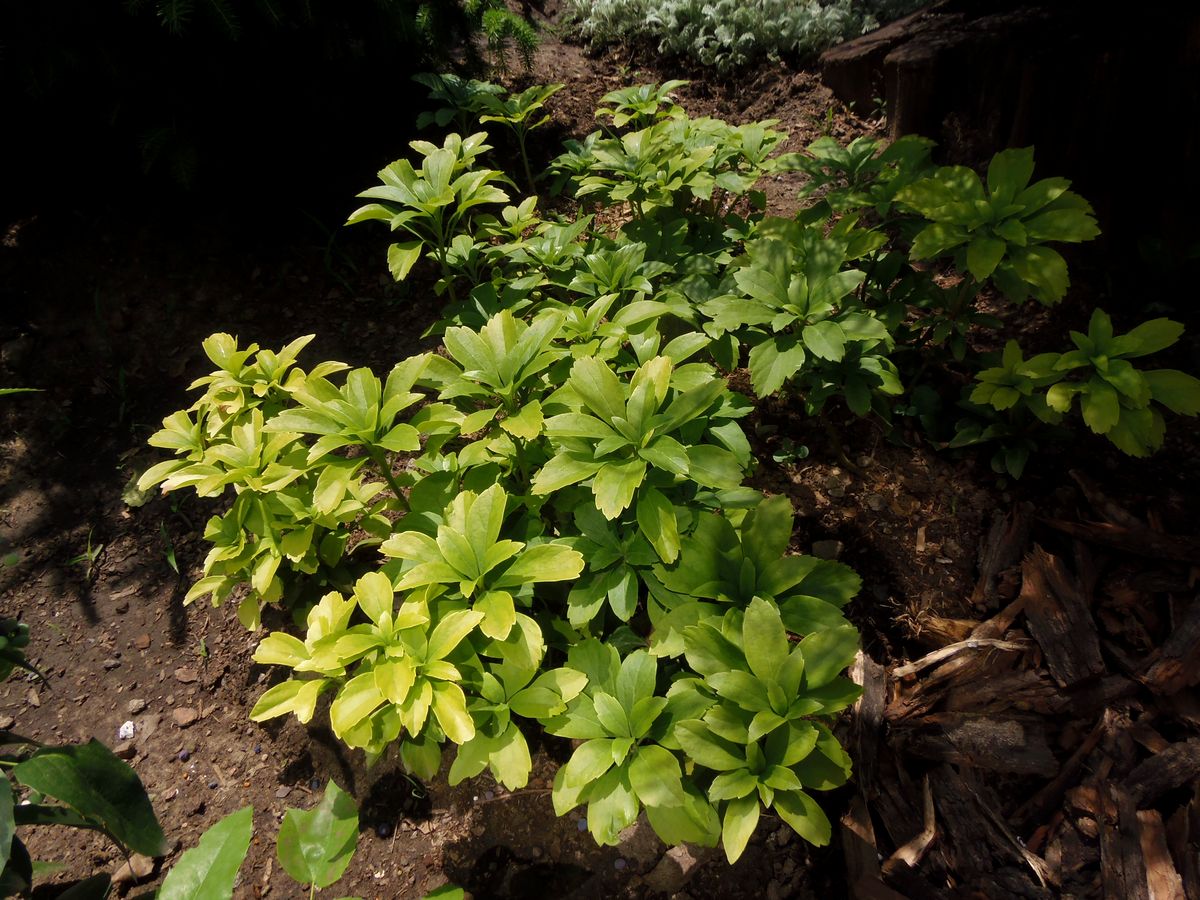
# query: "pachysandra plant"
621,435
549,522
763,735
1116,399
466,559
433,204
999,230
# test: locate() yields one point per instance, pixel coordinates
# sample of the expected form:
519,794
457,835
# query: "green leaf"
828,652
807,819
527,423
1101,407
358,699
764,640
292,696
983,255
95,783
1177,391
935,239
655,776
612,807
741,818
1147,338
543,562
615,485
499,613
714,467
706,748
315,846
208,870
588,763
401,257
510,758
7,824
656,520
450,709
449,632
826,340
773,362
1043,268
695,822
1009,172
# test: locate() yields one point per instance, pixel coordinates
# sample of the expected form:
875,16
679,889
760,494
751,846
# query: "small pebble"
125,732
136,706
111,663
619,864
315,784
489,795
581,824
214,784
384,829
258,748
184,756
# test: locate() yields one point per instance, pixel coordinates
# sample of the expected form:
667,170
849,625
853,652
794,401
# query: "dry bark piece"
996,744
1058,616
1176,664
1178,764
1162,878
1105,507
1140,541
1001,549
911,854
1038,807
1122,869
860,849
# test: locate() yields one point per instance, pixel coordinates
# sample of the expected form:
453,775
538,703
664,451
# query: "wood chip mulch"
1051,749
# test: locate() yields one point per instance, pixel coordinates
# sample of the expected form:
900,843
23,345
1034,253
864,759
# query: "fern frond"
175,14
224,12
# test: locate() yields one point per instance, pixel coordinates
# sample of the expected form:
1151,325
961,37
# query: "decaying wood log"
992,744
1176,664
1001,549
1140,541
1162,879
1178,764
1059,619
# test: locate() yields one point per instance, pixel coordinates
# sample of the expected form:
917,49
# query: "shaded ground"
105,311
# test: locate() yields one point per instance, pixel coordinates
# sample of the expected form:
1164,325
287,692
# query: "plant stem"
379,457
525,159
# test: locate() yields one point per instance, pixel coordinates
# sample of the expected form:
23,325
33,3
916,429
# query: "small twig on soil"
950,650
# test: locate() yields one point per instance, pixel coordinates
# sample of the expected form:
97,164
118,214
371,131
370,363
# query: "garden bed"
1087,690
